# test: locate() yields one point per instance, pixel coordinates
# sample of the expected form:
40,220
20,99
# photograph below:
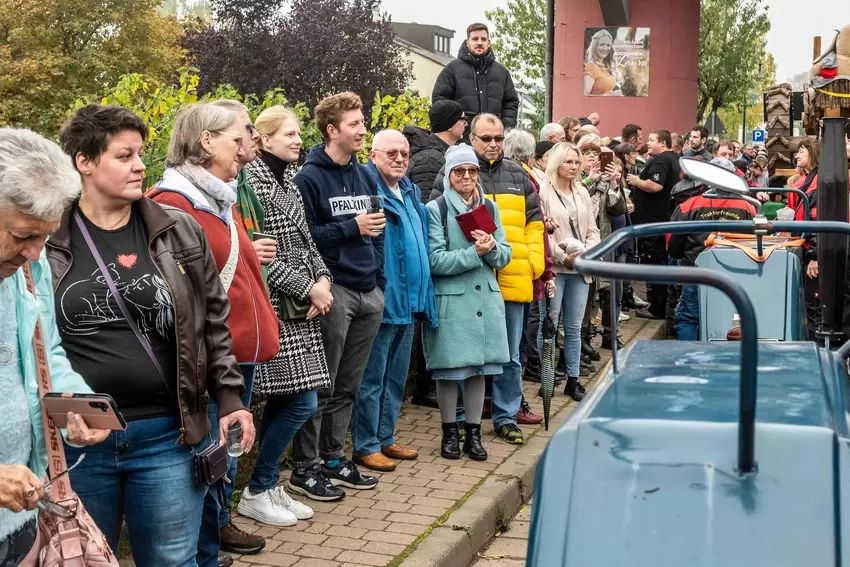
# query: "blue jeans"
687,314
282,418
217,500
507,386
144,475
382,390
571,299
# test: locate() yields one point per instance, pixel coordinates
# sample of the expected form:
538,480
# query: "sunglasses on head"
393,154
488,139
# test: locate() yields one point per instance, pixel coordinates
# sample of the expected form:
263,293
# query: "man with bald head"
408,296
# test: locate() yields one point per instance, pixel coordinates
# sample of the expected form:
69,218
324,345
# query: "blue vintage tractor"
767,267
711,453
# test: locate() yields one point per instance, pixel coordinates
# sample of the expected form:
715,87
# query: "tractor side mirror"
714,176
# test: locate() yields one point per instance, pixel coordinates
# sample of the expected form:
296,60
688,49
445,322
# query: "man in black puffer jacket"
477,81
428,148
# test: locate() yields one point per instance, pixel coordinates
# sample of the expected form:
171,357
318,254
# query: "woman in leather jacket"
161,362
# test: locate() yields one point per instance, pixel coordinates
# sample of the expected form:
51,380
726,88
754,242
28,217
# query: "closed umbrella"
547,363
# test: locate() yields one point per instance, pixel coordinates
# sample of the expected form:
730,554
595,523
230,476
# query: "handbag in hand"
292,309
207,465
74,541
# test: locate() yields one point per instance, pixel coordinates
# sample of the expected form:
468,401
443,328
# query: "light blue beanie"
461,154
724,163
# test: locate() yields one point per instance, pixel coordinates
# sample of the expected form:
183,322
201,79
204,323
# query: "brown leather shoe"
234,540
376,462
400,453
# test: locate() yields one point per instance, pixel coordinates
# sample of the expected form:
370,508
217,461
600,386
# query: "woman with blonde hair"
600,70
569,205
297,277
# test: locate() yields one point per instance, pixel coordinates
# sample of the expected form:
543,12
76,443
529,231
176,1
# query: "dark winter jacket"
333,196
427,152
687,247
479,84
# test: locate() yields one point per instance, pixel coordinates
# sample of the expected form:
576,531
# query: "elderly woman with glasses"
143,318
37,183
209,145
472,340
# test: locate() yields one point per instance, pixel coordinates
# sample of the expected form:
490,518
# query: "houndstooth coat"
300,363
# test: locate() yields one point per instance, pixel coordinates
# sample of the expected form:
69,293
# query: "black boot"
606,342
586,348
472,445
450,448
574,389
532,370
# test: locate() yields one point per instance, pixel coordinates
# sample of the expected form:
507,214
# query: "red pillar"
673,66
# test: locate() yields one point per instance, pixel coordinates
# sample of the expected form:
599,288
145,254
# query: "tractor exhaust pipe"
832,248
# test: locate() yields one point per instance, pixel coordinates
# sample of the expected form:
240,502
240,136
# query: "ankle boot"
450,448
586,347
574,389
472,445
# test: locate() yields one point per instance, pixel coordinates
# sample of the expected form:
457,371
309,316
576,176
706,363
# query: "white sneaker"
266,508
298,509
624,317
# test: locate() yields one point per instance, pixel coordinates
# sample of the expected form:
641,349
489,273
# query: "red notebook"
476,219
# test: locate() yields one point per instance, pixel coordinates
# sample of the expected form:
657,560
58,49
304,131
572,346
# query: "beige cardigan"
586,225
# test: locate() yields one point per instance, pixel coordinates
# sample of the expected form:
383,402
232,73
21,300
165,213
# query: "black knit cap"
542,147
444,114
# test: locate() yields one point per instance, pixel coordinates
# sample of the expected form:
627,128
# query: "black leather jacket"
205,362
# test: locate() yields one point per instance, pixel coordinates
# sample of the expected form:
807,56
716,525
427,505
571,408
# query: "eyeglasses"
489,139
251,129
464,171
49,506
393,154
234,136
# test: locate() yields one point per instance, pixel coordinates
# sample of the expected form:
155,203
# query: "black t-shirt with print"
656,207
97,339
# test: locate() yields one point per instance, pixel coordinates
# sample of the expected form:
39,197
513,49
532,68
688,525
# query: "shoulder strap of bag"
116,295
228,272
55,450
443,206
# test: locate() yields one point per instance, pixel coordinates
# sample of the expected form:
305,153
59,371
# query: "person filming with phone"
37,183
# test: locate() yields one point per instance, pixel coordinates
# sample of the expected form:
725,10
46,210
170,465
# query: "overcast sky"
793,24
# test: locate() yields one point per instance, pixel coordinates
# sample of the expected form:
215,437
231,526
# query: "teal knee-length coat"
472,329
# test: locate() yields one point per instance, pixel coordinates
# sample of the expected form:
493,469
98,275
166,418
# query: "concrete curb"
457,541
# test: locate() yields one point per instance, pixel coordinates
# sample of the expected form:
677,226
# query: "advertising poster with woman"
616,62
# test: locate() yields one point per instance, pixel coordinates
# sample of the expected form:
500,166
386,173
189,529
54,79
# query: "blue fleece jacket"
333,195
406,265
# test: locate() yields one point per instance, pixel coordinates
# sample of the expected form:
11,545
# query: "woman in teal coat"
472,339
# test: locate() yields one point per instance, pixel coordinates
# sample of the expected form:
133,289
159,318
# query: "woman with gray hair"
143,317
37,183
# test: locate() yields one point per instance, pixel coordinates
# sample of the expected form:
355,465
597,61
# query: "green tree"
732,42
732,114
395,112
519,42
53,51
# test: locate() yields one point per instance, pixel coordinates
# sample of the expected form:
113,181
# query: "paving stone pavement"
381,527
508,548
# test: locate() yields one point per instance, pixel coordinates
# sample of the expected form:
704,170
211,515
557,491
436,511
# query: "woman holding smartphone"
300,288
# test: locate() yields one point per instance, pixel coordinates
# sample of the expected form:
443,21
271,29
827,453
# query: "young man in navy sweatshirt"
336,191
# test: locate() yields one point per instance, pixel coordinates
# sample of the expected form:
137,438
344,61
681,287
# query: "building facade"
673,62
